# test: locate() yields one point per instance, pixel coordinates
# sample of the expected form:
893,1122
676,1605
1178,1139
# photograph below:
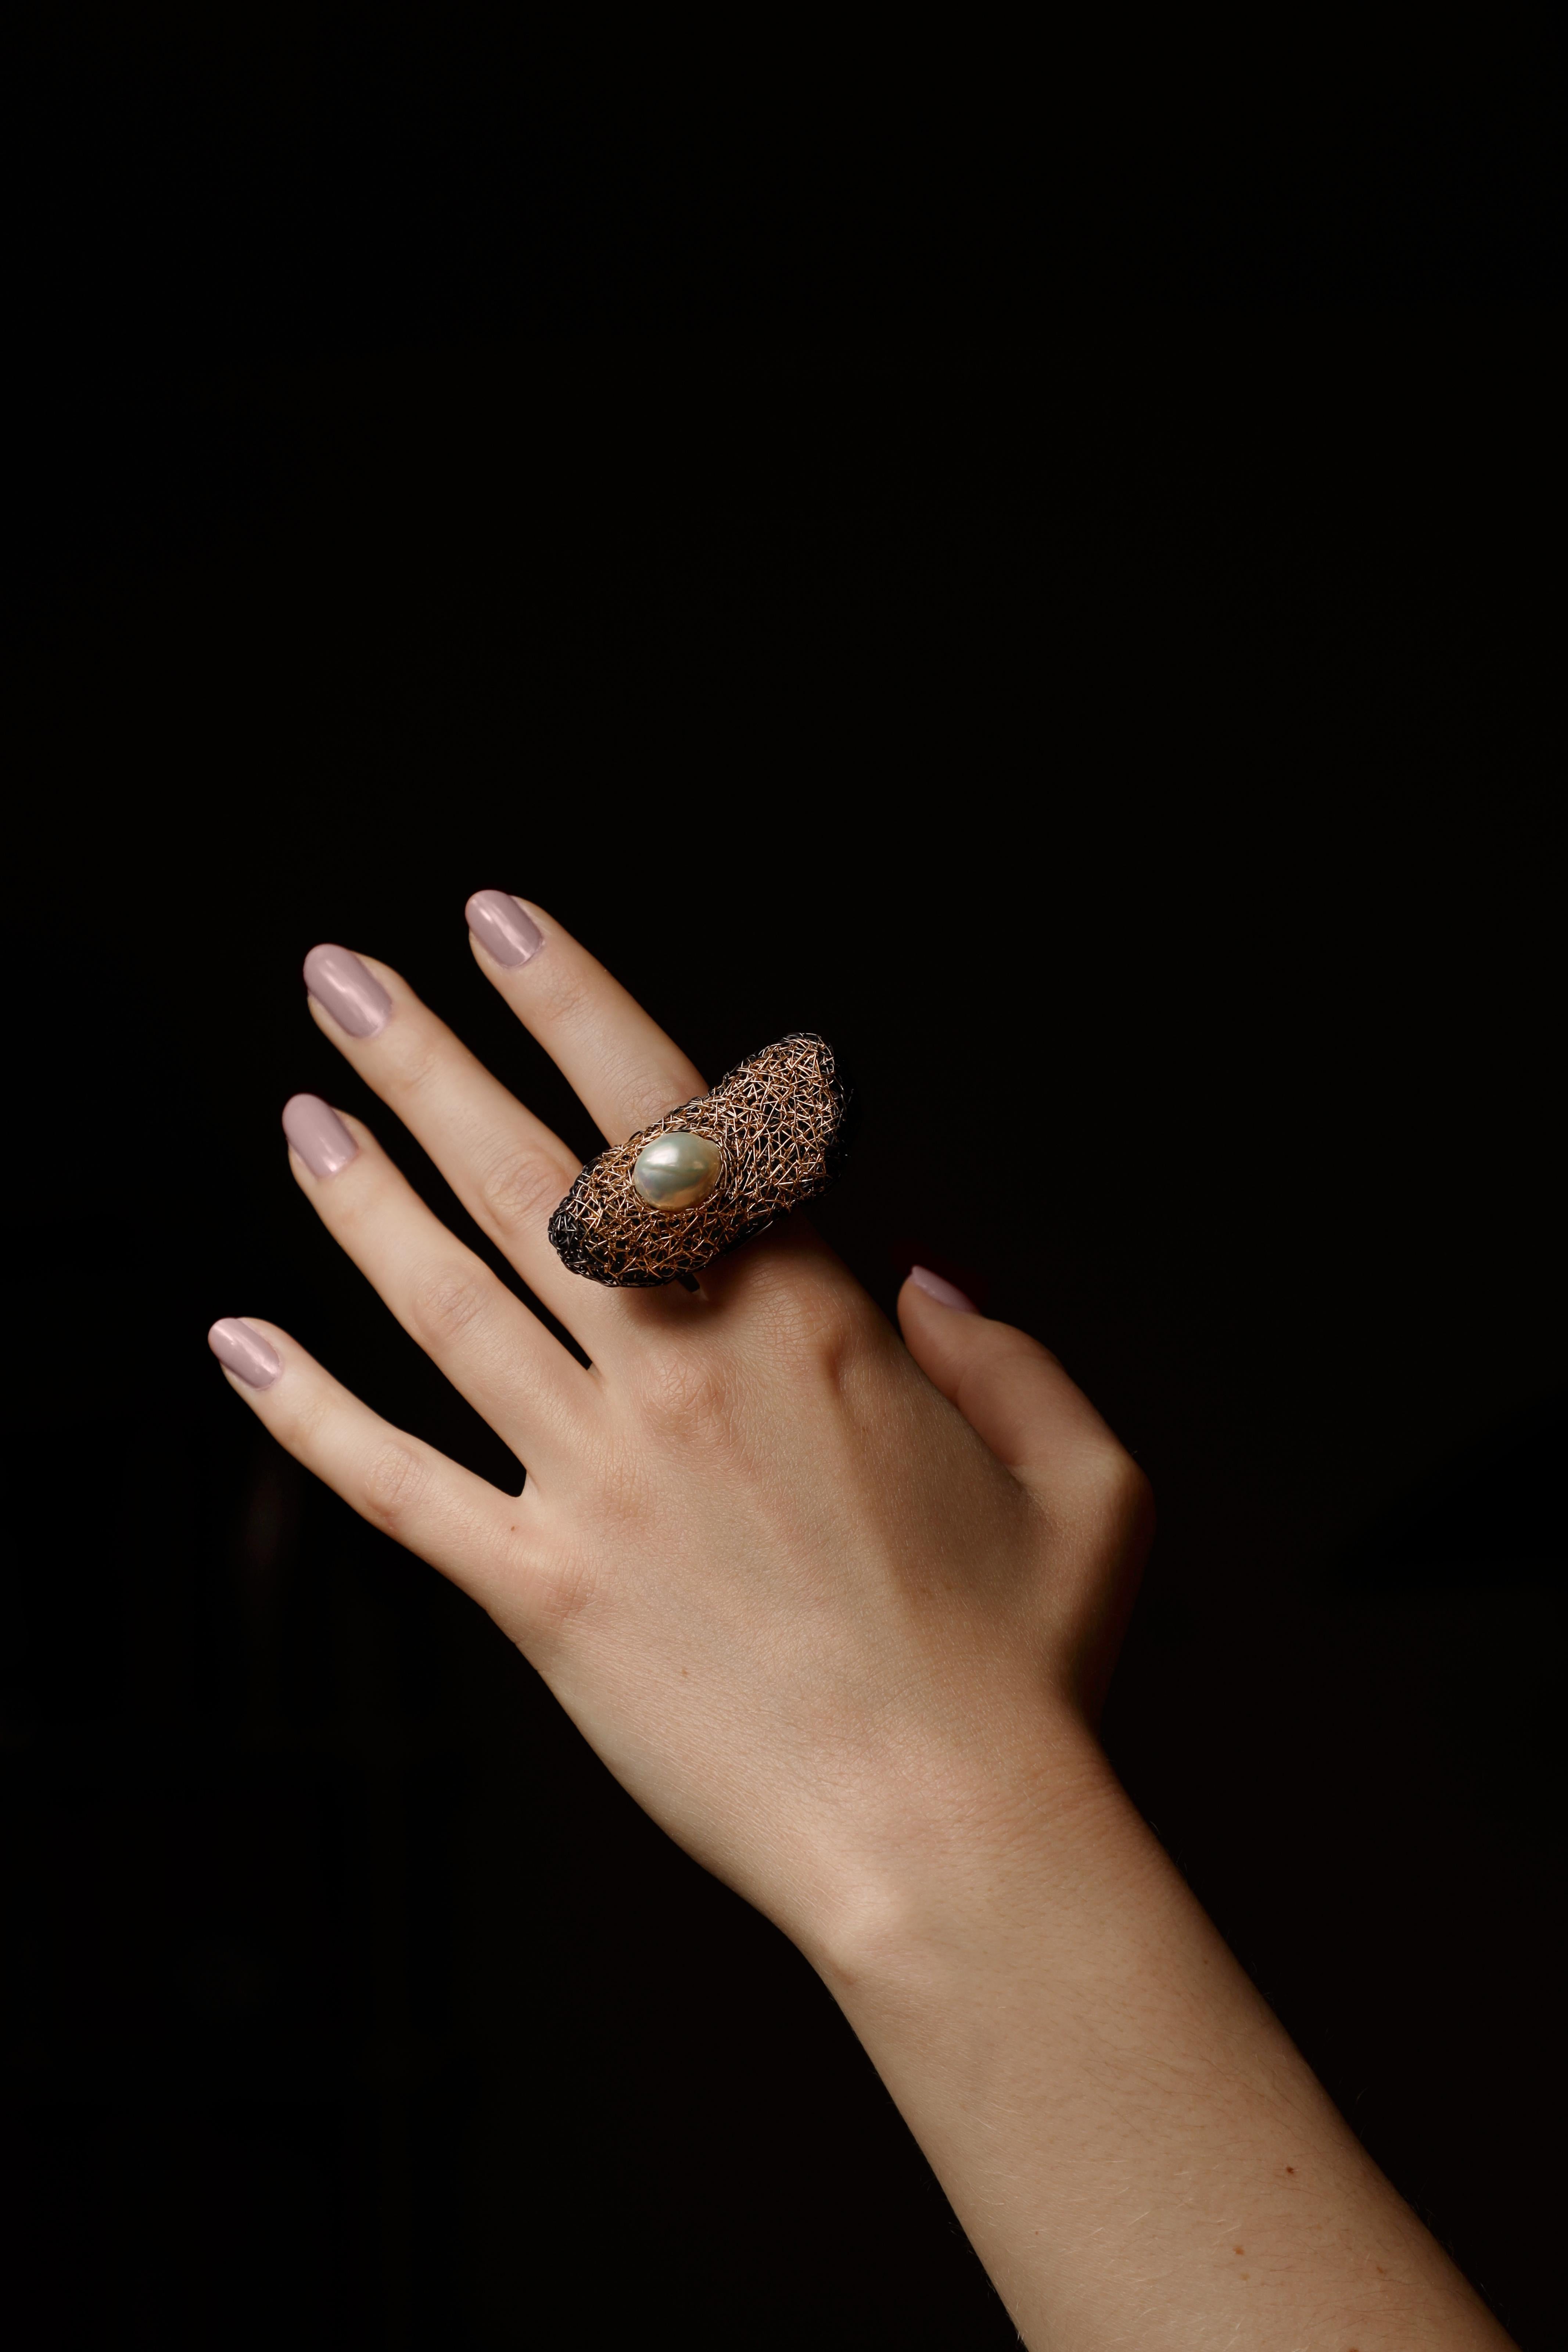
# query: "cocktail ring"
713,1173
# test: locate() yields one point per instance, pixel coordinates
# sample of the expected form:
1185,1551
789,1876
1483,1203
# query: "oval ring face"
778,1123
676,1171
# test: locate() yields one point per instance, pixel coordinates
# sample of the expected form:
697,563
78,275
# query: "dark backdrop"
1131,739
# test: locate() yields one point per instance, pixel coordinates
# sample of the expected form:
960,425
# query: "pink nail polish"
245,1353
318,1134
946,1294
354,997
499,923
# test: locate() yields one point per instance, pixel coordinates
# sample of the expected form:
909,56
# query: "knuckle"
445,1302
814,1324
648,1094
311,1412
411,1058
684,1395
566,998
392,1481
560,1591
1122,1490
521,1188
621,1477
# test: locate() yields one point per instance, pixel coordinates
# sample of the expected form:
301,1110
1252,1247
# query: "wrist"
969,1859
1101,2090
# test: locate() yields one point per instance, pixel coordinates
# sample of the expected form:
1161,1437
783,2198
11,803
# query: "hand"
840,1612
826,1602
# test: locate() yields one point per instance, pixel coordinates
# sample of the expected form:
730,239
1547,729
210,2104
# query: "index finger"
620,1064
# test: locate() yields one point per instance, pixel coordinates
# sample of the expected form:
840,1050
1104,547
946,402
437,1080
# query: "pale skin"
839,1605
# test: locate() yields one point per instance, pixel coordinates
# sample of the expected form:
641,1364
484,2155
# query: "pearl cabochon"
676,1171
774,1129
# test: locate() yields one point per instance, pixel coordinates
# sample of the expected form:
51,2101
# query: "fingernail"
499,923
318,1134
245,1353
946,1294
342,986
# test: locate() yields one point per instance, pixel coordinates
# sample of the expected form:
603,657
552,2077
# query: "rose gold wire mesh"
779,1120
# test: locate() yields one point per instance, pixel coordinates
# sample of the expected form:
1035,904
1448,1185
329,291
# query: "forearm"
1138,2152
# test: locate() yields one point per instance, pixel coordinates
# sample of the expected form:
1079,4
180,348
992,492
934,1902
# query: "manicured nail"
318,1134
354,997
245,1353
946,1294
499,923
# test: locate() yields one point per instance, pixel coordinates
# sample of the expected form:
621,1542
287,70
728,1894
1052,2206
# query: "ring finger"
505,1165
530,1390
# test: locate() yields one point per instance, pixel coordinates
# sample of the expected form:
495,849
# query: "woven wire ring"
780,1121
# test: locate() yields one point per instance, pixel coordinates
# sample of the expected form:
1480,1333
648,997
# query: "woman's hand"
841,1614
824,1604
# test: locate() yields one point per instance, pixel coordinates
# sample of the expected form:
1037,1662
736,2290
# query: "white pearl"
676,1171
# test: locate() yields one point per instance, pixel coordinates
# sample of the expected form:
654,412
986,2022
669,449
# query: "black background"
1116,702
